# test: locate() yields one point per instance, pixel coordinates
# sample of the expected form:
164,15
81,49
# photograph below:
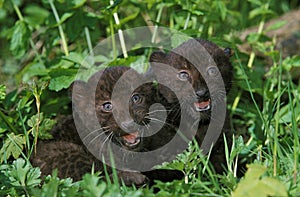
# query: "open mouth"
202,106
131,140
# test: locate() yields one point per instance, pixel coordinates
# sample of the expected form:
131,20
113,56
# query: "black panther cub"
200,102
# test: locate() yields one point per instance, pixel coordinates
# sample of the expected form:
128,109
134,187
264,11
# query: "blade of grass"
296,146
249,88
60,29
120,32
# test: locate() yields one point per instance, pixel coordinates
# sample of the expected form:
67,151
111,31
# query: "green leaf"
35,15
276,25
22,174
61,78
77,3
50,188
32,70
45,125
76,24
3,127
222,8
91,187
259,11
63,18
255,184
13,146
20,39
53,186
129,18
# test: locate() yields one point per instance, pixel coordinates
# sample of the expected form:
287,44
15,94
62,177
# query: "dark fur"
67,152
196,79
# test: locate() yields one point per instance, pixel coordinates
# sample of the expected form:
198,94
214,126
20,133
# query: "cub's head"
198,63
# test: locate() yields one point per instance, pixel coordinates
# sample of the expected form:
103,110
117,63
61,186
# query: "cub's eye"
183,75
136,98
107,106
212,71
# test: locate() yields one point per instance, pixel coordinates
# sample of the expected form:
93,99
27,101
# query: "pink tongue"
202,105
130,138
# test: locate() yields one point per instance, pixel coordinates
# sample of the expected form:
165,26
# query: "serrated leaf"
20,39
91,187
13,146
33,121
22,174
50,188
45,127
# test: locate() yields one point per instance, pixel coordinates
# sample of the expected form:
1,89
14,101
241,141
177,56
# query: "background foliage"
43,42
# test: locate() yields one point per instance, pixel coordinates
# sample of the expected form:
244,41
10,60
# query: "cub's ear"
228,52
158,56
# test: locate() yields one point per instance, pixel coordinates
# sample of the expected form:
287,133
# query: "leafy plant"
43,43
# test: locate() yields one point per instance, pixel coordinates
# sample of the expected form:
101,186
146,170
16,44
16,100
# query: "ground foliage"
43,43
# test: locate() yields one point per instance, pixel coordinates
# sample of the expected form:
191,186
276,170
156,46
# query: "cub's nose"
203,92
128,126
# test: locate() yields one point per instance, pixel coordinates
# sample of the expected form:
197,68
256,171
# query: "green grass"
42,45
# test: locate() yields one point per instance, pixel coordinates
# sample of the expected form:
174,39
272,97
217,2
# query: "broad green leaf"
256,184
35,15
20,39
62,82
75,57
61,78
33,69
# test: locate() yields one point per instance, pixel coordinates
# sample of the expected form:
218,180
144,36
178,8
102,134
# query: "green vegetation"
43,42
